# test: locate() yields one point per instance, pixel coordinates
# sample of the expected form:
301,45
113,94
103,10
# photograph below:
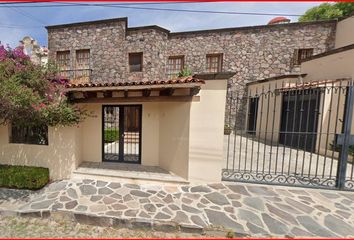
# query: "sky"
17,22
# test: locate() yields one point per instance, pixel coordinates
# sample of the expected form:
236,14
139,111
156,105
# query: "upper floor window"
214,62
82,65
175,64
29,134
83,59
135,62
63,60
301,54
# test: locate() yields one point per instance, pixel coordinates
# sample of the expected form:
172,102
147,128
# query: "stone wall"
252,52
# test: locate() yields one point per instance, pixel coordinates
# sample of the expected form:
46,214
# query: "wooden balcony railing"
77,75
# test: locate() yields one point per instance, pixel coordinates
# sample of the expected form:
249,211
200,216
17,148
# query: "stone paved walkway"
252,210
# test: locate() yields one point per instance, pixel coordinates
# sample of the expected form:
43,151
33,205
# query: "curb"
104,221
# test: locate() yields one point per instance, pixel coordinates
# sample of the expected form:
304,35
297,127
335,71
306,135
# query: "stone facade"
252,52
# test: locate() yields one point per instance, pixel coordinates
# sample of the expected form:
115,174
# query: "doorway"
299,119
121,133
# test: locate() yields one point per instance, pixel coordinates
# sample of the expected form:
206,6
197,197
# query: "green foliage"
230,234
338,148
347,8
328,11
33,95
23,177
186,72
111,135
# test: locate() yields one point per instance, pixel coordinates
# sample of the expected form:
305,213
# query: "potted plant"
227,129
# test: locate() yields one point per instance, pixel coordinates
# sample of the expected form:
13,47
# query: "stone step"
136,177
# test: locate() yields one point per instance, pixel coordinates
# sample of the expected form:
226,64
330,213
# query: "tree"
328,11
33,95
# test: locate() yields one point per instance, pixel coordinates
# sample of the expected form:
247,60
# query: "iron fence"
291,134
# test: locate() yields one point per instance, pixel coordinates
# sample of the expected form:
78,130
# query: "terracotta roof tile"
182,80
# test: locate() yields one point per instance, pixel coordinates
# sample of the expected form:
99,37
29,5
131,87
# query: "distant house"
145,114
38,54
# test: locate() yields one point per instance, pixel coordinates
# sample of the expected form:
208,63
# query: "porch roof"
183,82
179,89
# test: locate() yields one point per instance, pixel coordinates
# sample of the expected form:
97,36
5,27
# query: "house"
330,69
126,76
38,54
294,127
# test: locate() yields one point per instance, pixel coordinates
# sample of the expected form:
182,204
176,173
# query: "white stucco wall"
206,137
331,67
184,137
61,155
345,32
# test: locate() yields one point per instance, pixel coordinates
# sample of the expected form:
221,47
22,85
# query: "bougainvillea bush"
33,95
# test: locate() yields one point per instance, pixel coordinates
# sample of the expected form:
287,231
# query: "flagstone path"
247,209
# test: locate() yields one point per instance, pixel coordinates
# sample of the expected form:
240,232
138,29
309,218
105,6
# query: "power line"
19,26
161,9
67,3
23,13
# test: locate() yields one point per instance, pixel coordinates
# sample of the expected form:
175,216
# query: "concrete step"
128,176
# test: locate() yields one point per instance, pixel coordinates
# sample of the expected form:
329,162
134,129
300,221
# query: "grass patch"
23,177
111,135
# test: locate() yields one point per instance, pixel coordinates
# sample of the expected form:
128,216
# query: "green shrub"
111,135
338,148
23,177
186,72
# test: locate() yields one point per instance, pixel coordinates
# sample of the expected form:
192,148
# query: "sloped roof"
164,83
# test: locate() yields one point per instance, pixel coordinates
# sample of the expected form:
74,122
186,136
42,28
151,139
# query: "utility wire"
22,12
127,3
157,9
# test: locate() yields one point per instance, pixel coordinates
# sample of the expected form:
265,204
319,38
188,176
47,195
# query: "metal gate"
291,134
121,133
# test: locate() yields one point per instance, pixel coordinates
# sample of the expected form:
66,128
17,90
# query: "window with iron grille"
135,62
301,54
175,65
82,65
63,61
214,63
29,134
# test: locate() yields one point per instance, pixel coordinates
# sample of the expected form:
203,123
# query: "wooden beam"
107,94
167,92
90,94
139,99
146,92
126,93
194,91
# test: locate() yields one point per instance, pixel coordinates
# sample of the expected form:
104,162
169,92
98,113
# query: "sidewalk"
247,209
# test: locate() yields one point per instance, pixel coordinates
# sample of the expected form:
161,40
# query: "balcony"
77,75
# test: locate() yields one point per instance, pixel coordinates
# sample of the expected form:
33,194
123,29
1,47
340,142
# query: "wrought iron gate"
291,134
121,133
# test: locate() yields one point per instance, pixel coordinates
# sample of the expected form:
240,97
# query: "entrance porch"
126,172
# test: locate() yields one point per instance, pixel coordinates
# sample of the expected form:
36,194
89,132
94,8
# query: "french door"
121,133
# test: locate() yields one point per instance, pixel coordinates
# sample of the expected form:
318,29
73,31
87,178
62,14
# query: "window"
175,64
63,61
214,63
83,59
252,115
135,62
29,134
301,54
82,65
